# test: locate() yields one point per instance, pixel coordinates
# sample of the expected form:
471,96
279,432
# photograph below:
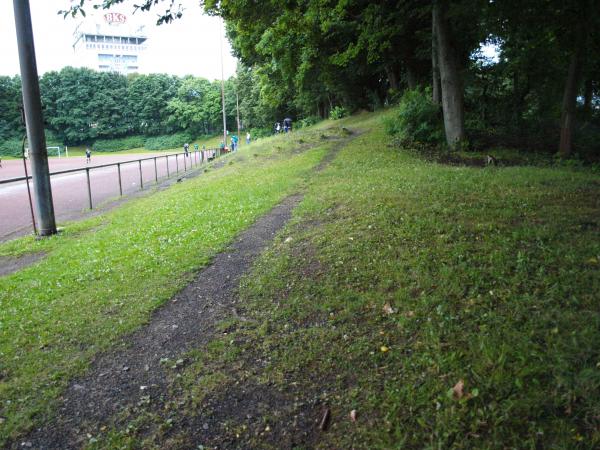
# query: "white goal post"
66,151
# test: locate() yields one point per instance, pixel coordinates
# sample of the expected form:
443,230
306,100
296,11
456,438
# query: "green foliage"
11,147
115,145
256,133
10,102
417,119
338,112
168,141
308,121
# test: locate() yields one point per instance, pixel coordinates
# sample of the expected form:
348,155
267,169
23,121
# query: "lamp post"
34,120
222,88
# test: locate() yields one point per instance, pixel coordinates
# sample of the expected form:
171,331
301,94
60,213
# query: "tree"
10,107
148,98
452,90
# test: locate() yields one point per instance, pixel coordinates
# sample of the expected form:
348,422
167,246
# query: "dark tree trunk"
587,97
567,120
411,76
452,93
392,77
435,69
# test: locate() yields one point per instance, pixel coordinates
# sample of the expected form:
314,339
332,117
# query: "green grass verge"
102,277
399,280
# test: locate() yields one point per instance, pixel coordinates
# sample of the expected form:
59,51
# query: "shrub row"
115,145
10,147
167,141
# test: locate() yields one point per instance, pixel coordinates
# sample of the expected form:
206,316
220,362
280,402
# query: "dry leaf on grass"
387,308
457,390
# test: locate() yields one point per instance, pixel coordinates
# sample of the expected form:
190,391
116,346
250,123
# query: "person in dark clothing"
287,124
88,156
186,149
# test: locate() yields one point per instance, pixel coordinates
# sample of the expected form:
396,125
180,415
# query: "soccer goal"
52,151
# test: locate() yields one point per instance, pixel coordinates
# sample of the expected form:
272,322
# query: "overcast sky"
189,45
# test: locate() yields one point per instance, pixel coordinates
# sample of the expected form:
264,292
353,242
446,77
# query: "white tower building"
109,43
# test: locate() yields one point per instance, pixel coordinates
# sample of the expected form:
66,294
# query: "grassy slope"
490,276
401,278
102,277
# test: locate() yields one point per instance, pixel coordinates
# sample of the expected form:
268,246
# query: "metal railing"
199,157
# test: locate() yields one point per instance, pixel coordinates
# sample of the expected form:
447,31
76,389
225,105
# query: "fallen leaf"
353,415
457,390
384,349
387,308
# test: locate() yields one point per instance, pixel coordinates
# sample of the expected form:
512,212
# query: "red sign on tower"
115,18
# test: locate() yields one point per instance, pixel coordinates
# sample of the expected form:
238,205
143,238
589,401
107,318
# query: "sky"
190,45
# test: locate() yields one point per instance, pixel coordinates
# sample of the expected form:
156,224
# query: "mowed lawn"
448,307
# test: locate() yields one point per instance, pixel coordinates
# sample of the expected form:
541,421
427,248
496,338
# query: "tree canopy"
305,58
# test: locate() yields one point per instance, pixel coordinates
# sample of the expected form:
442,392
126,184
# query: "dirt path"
187,321
123,377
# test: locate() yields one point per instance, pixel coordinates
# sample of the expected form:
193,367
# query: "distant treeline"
82,106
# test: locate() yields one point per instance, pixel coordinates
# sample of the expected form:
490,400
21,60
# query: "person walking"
248,137
88,155
234,142
287,124
186,149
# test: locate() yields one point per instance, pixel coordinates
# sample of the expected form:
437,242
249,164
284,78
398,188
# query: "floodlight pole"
34,120
222,90
237,105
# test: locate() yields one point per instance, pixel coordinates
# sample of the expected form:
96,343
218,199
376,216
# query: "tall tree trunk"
588,93
411,76
435,69
392,77
452,93
569,102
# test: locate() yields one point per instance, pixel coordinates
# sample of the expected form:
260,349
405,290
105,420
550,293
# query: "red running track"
69,191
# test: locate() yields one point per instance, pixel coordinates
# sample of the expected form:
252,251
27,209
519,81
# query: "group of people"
286,128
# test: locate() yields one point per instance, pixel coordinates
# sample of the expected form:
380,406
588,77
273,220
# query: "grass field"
449,307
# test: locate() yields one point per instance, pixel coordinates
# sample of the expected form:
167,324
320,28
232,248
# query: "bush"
167,141
338,112
418,119
256,133
308,121
11,147
115,145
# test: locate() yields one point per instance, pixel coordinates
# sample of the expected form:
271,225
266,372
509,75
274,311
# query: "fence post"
168,174
120,184
177,162
87,173
184,163
141,180
155,171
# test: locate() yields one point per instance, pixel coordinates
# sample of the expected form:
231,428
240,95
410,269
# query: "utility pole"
237,105
222,90
34,120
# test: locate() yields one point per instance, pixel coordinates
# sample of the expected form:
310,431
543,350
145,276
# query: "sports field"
69,191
